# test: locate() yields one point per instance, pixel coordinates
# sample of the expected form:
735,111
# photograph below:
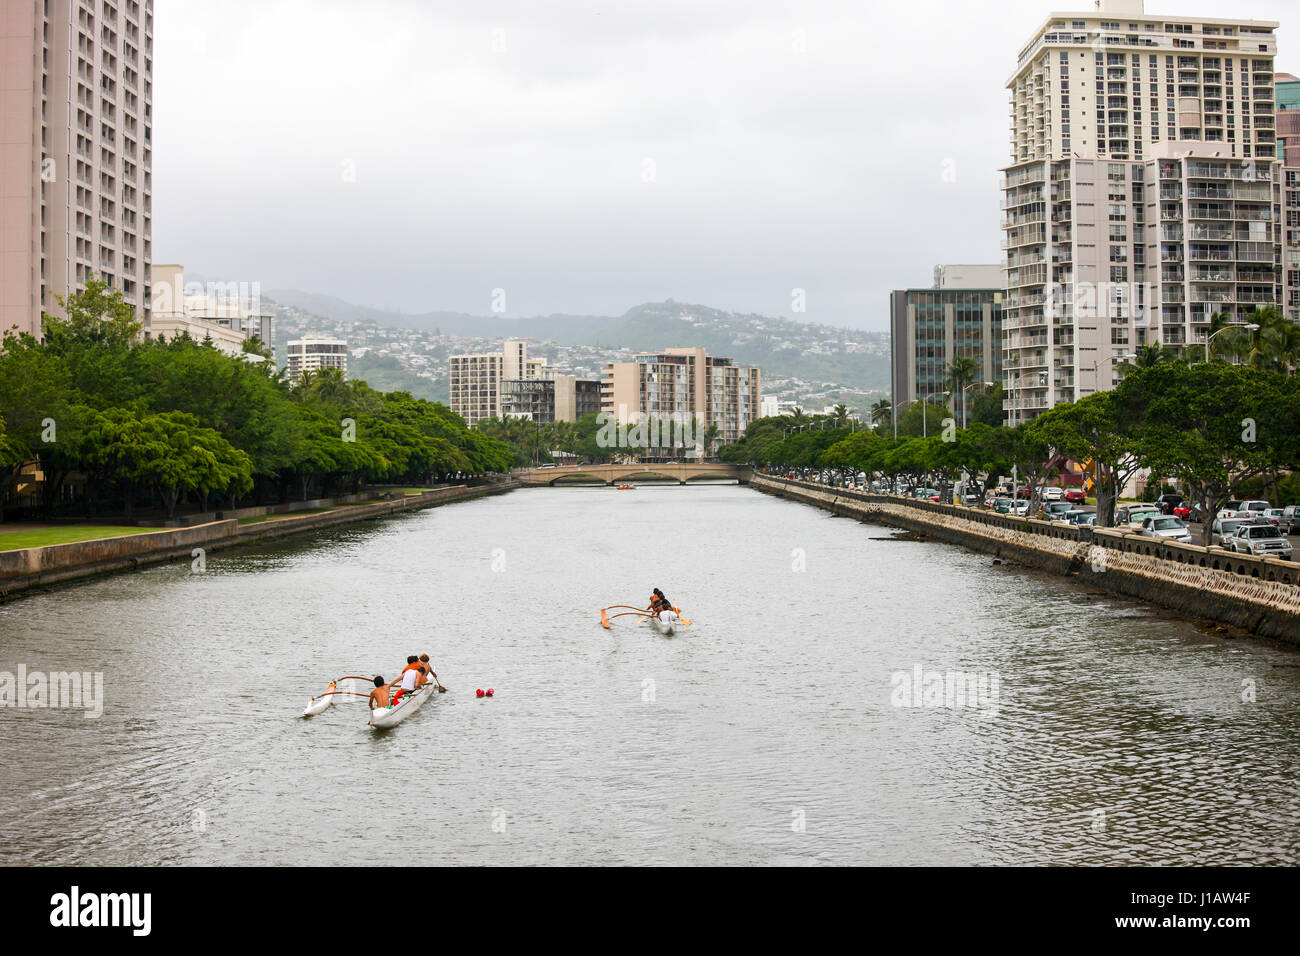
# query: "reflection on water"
766,733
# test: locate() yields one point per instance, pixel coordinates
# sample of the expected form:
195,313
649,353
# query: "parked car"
1290,520
1076,496
1053,493
1274,516
1165,526
1224,528
1088,518
1168,503
1133,514
1253,508
1052,509
1258,538
1067,517
1229,509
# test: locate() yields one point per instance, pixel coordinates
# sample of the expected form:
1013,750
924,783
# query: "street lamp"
1109,358
964,416
925,419
894,408
1252,326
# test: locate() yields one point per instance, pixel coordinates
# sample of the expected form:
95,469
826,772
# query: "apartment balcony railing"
1255,296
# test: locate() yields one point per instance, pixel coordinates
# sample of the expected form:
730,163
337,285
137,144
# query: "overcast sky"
586,157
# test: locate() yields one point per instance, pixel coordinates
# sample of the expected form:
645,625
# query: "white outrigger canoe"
390,716
666,629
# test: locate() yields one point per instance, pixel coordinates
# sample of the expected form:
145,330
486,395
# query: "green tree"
1213,427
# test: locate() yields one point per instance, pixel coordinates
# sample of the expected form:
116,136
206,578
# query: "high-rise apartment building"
1140,198
1288,119
76,141
476,380
961,316
311,353
680,384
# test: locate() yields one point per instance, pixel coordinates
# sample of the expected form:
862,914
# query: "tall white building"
1140,199
477,380
76,142
311,353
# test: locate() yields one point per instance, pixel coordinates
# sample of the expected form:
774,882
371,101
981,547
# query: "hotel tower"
76,92
1141,196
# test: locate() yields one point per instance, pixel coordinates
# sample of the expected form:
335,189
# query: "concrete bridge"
636,473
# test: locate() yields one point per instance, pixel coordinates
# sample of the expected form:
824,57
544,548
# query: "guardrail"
1124,540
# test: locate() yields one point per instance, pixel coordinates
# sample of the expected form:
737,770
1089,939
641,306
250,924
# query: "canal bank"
27,568
1259,595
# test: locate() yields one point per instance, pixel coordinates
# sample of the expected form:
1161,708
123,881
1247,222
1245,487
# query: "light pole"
965,418
895,408
1252,326
1096,465
1109,358
925,419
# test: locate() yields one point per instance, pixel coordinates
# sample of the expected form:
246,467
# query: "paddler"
379,696
410,678
428,670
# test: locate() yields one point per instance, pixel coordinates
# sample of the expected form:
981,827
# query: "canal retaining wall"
1255,594
28,568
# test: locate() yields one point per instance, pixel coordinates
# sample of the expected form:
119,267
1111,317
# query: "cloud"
419,155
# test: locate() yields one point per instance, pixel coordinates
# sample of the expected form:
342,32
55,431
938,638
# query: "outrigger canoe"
391,716
666,629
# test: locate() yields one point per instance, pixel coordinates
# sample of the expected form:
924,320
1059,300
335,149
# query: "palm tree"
799,415
881,411
711,435
840,415
1148,355
961,372
1276,343
1232,344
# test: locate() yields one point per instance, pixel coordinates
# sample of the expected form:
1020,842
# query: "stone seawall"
28,568
1255,594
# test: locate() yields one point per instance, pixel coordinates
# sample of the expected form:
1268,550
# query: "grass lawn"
12,540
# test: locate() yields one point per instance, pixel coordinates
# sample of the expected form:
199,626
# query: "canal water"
784,727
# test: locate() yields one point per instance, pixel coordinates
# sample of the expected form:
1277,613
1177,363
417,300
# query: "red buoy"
479,692
490,692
